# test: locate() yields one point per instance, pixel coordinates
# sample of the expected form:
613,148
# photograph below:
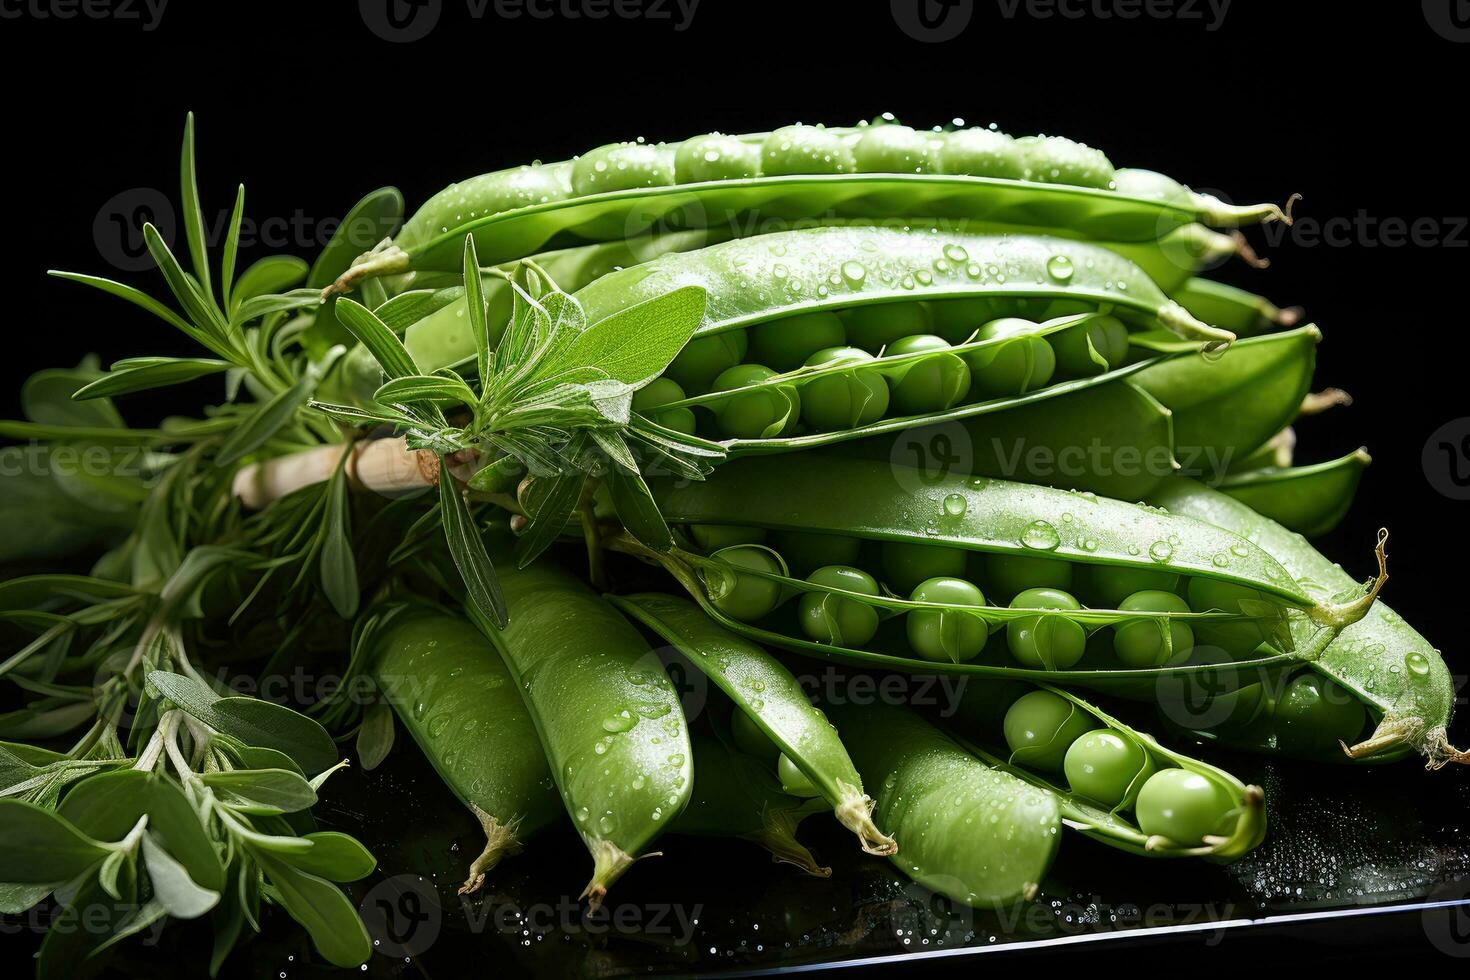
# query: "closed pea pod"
1310,500
451,690
1238,311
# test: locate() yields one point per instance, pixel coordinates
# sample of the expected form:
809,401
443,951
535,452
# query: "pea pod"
973,833
1234,309
453,693
766,691
1383,661
608,718
734,797
1310,500
1112,821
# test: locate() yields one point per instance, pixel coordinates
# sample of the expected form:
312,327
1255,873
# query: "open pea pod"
1310,500
1393,670
1116,769
599,708
762,687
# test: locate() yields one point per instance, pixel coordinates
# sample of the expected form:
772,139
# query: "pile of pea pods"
980,412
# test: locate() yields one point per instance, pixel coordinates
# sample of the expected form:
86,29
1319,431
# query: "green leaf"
41,847
279,790
373,334
637,510
636,343
474,294
336,857
322,909
47,398
425,388
175,822
270,275
172,886
338,563
145,373
467,548
266,421
193,210
197,305
376,217
258,306
107,806
375,737
15,899
85,923
362,417
406,309
232,247
137,297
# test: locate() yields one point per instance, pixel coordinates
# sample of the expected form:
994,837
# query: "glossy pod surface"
1310,500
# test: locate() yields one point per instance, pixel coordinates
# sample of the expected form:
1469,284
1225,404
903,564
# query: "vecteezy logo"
924,457
400,21
403,915
1446,919
1449,18
1446,459
932,21
118,228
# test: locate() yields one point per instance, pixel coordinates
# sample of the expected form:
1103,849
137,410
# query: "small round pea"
786,344
1046,642
1140,642
1314,713
1183,806
806,551
835,619
946,637
982,153
749,737
906,566
956,320
796,150
715,157
1106,586
622,166
1210,701
877,325
1058,160
1238,638
1107,767
758,414
893,149
1041,726
1017,365
703,358
750,597
1010,575
713,537
843,400
1108,340
930,385
660,392
793,780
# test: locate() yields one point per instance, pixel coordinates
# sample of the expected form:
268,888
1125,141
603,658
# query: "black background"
1357,107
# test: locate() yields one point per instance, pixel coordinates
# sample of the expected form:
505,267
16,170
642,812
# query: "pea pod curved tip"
1337,616
1394,734
500,841
779,837
1317,402
855,812
1246,252
609,863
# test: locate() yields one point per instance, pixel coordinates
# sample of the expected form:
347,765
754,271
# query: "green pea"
622,166
1108,767
749,737
956,320
713,537
704,358
1046,642
1217,701
793,780
750,597
906,566
786,344
1093,347
930,385
758,414
806,551
660,392
835,619
1106,586
1010,575
893,149
877,325
947,637
843,400
1183,806
1140,642
1314,713
715,157
1058,160
1238,638
1041,726
798,150
982,153
1022,364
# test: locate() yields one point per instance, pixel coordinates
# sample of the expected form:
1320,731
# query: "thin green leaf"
141,300
41,847
336,857
145,373
322,909
467,548
193,210
376,217
362,417
264,305
373,334
474,294
425,388
406,309
637,510
232,247
199,307
338,563
636,343
270,275
276,789
266,421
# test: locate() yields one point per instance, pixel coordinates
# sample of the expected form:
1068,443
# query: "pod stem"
1246,253
1393,732
500,840
779,837
855,812
1180,321
385,259
1317,402
609,862
1338,616
1217,212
